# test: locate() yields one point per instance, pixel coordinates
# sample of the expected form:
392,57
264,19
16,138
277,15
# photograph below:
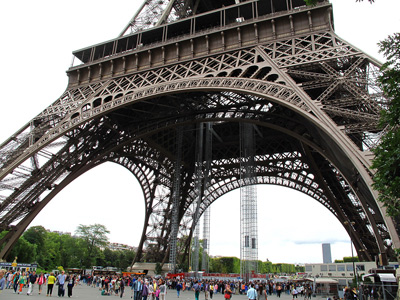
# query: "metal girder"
280,172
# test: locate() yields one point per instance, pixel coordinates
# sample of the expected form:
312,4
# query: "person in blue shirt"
252,293
137,289
2,279
178,288
60,281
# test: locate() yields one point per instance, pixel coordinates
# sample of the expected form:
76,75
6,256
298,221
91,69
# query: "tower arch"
300,85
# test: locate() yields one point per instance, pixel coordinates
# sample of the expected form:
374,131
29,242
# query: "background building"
343,272
326,253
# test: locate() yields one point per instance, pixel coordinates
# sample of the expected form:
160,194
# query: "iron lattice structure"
206,184
248,204
205,262
137,100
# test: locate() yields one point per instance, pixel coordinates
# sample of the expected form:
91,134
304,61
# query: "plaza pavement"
85,292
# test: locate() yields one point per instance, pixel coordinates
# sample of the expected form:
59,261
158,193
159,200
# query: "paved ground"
88,293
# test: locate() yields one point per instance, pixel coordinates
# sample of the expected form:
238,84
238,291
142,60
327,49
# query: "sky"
37,41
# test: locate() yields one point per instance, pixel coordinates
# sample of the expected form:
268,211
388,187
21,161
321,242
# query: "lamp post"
354,268
350,225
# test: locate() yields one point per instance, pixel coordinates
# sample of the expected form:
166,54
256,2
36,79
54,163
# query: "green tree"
350,259
285,268
95,236
109,257
300,269
267,267
215,265
225,265
126,260
158,269
25,251
72,251
52,250
36,235
387,153
51,254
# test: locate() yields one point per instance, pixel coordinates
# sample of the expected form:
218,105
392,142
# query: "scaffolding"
206,185
248,204
175,200
195,251
197,203
206,240
202,182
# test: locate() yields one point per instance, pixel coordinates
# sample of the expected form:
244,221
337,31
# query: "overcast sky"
37,40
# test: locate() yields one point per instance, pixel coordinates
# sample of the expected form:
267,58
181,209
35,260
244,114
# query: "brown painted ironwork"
311,97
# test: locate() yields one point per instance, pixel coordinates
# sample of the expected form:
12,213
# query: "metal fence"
379,291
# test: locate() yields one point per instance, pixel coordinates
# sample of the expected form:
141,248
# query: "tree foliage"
387,153
158,269
95,236
225,265
36,235
23,250
232,265
51,250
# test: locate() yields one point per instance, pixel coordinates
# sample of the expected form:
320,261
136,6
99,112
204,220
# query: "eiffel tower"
141,99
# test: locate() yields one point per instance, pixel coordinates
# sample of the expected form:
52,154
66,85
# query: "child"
157,294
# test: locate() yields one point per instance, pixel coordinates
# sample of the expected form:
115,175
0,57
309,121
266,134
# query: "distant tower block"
326,253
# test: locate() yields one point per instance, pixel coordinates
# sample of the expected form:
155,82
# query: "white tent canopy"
387,277
384,277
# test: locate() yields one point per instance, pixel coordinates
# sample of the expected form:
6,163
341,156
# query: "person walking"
252,293
227,292
152,288
9,280
163,291
137,288
50,284
15,281
278,290
294,292
2,280
178,289
21,282
196,289
32,279
206,289
70,284
145,290
41,281
121,287
264,293
157,292
61,281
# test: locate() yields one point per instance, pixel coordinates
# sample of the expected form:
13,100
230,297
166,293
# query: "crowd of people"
150,288
19,280
262,289
140,288
147,287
